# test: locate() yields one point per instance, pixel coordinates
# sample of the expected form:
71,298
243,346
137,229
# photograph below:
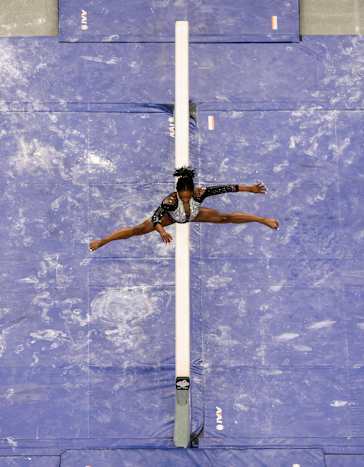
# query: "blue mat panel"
345,460
277,406
81,333
284,360
30,461
197,457
325,73
194,457
150,21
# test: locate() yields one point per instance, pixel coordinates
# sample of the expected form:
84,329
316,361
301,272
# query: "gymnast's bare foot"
94,245
272,223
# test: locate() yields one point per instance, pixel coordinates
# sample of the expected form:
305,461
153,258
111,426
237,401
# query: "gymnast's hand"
166,237
259,187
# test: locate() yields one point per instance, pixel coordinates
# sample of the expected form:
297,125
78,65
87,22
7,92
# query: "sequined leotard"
173,205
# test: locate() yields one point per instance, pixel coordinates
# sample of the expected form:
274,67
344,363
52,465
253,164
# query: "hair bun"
186,171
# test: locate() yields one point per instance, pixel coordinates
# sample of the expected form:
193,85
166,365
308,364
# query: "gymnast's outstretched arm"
204,192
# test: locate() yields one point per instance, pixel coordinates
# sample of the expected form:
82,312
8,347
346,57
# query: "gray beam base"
182,422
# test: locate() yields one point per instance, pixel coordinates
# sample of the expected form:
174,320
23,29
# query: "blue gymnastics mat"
181,458
87,340
101,325
153,21
317,73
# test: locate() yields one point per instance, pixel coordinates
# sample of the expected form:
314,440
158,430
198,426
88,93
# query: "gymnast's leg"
127,232
215,216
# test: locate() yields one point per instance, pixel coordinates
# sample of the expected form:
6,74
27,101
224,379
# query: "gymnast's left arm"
204,192
259,187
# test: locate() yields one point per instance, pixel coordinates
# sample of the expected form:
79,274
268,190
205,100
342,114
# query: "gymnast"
184,205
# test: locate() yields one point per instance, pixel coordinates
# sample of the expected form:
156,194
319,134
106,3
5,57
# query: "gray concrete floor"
318,17
29,17
332,17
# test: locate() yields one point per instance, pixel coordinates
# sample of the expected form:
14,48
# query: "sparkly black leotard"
172,204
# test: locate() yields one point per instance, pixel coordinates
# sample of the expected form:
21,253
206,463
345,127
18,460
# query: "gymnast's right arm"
157,216
166,205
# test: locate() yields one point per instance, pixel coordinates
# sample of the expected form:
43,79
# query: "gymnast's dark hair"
185,182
